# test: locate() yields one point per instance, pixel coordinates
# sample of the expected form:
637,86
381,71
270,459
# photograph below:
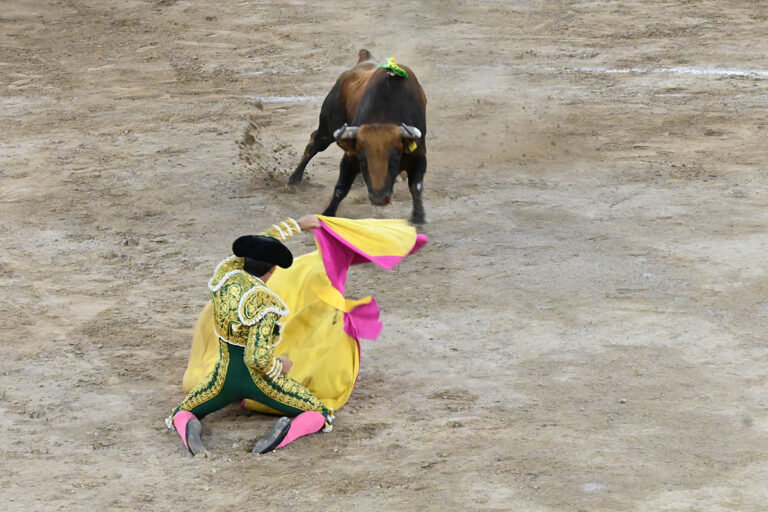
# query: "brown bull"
379,119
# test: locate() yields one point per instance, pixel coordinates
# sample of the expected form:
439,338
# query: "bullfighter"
246,322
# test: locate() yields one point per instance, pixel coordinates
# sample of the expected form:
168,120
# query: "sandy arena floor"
585,331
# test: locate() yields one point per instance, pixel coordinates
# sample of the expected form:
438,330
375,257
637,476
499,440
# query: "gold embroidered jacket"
246,312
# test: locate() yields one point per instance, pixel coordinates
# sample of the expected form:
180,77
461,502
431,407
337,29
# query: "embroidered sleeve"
260,309
259,354
283,230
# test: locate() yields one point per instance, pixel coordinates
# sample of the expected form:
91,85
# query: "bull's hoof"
418,219
294,180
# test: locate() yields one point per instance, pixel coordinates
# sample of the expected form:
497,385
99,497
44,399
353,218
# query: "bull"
378,117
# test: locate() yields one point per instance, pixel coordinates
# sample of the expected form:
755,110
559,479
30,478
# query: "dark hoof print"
274,437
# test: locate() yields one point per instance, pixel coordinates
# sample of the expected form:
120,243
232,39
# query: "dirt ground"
585,331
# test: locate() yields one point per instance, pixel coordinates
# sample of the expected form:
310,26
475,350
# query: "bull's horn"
410,132
346,132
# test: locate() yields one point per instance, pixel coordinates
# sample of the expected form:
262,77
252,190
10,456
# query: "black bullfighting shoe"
273,438
189,428
194,442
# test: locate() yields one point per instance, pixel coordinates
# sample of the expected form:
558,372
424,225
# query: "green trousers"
231,381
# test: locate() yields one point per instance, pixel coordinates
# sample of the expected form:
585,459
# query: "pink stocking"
180,420
302,425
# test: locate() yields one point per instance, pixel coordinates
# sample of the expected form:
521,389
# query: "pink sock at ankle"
180,420
302,425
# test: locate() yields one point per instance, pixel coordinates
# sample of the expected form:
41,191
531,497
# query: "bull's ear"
346,137
411,136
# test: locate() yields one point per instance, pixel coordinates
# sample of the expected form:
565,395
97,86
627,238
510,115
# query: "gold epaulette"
227,268
257,302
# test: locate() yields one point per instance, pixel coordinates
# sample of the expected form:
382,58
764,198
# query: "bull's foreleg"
315,146
416,172
349,169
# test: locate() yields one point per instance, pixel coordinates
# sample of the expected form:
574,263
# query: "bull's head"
379,147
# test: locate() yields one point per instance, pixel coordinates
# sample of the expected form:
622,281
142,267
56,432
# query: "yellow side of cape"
377,237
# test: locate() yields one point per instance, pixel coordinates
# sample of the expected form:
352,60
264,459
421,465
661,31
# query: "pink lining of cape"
338,255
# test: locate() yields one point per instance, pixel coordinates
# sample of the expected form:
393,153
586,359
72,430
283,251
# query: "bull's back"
392,99
367,94
353,86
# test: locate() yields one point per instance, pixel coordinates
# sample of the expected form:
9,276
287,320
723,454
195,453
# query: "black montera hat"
263,248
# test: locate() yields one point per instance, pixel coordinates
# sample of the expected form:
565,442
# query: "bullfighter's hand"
309,222
287,363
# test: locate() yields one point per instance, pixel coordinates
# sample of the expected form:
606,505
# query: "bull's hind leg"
416,172
348,171
317,143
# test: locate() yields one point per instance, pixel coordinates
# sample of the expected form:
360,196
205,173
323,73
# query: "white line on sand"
283,99
746,73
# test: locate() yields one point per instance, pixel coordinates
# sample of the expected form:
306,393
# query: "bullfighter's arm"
286,229
283,230
259,353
